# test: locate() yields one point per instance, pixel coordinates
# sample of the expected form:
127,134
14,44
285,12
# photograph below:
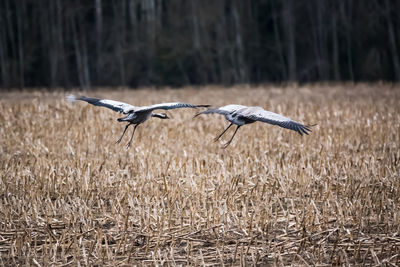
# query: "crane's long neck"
160,115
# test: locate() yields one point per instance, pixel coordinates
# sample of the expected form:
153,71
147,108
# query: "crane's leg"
219,136
120,139
227,144
130,141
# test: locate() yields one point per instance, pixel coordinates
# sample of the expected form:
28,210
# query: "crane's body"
134,115
241,115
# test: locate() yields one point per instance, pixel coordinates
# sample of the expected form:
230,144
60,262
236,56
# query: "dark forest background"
86,43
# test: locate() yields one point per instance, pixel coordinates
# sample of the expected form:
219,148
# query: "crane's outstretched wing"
167,106
225,110
259,114
111,104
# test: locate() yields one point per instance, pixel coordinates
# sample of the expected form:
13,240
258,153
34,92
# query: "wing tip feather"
203,106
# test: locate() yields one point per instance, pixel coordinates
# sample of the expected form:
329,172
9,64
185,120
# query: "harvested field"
69,195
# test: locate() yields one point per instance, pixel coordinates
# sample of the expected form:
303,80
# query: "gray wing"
167,106
111,104
225,110
259,114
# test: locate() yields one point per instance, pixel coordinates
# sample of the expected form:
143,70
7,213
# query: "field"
71,196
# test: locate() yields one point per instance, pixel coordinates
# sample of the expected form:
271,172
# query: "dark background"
87,43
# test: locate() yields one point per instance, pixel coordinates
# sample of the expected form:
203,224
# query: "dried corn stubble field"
70,196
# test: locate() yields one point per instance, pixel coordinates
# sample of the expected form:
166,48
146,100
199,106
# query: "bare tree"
241,66
335,44
99,37
81,54
346,8
279,42
392,40
289,22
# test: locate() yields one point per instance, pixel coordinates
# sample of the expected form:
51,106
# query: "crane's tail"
123,119
71,98
128,117
208,111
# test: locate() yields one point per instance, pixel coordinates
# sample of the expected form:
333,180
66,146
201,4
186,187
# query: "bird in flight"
241,115
134,115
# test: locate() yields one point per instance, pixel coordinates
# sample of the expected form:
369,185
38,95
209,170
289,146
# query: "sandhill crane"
134,115
241,115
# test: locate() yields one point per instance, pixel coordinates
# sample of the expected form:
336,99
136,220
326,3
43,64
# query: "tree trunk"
80,56
279,43
21,57
10,43
392,41
346,12
289,21
3,61
99,40
119,8
239,61
55,30
335,49
322,40
148,11
195,25
86,66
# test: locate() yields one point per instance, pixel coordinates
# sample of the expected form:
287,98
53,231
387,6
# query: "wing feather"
259,114
167,106
225,110
111,104
232,108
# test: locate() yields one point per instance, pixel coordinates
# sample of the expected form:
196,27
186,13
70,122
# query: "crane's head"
160,115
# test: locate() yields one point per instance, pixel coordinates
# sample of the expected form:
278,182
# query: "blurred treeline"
52,43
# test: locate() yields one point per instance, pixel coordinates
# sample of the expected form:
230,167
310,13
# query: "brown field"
71,196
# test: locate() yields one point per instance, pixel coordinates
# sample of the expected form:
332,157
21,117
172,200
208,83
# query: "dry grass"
70,196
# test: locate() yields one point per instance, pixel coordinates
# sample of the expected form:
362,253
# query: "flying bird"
241,115
134,115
